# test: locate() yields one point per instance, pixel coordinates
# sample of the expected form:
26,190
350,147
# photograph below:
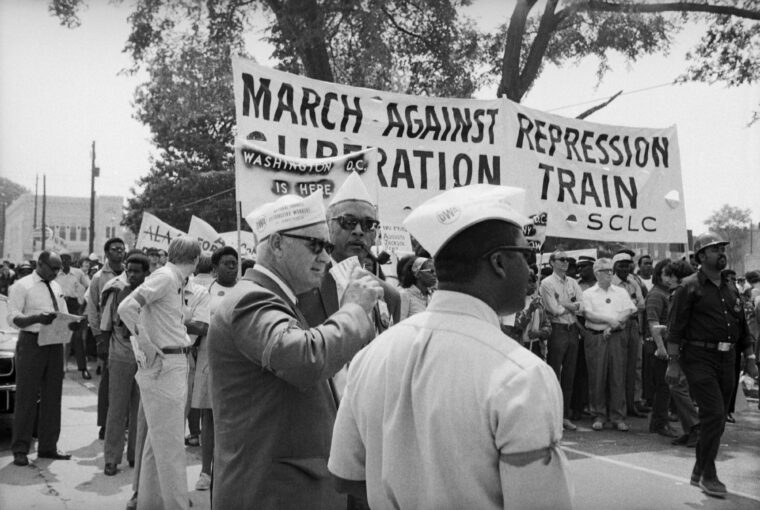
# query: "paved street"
634,470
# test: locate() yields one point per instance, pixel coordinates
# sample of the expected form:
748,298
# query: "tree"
733,224
10,191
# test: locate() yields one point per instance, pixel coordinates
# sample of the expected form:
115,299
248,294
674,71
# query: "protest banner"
596,181
583,180
154,233
211,240
262,175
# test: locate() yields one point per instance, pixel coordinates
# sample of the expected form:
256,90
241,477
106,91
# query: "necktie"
52,296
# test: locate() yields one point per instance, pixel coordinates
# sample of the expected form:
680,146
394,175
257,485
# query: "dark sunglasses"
315,244
526,251
560,259
349,223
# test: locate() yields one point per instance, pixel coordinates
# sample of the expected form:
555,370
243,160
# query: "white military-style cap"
286,213
621,257
353,188
444,216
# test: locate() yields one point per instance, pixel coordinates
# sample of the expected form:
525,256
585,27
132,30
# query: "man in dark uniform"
706,327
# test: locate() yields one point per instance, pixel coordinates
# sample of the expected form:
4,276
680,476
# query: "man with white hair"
153,313
444,410
270,374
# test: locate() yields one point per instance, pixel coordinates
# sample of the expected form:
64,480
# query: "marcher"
563,299
443,410
607,309
530,326
270,375
352,220
706,327
417,286
113,267
123,392
645,271
157,305
622,264
32,303
579,402
74,284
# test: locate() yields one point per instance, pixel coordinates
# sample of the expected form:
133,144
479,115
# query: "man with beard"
352,220
706,327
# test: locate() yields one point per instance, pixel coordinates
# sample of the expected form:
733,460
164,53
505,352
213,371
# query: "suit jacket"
318,304
273,406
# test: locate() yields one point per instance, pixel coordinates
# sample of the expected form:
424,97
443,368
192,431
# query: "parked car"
8,339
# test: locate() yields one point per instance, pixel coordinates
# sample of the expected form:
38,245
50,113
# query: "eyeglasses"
349,223
315,244
560,259
526,251
116,250
604,271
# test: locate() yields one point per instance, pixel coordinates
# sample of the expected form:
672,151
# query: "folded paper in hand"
342,274
57,332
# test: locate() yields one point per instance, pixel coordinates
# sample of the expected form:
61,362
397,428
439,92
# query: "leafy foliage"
10,191
732,223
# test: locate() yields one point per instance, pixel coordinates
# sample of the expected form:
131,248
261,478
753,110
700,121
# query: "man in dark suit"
352,220
270,375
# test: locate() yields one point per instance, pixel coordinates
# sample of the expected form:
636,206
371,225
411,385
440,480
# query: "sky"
61,89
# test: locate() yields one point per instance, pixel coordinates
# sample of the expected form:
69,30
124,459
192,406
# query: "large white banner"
211,240
155,233
604,190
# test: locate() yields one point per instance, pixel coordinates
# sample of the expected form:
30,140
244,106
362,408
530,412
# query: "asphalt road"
610,469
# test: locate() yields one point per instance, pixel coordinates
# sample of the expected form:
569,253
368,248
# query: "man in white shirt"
562,297
33,302
74,284
443,410
607,307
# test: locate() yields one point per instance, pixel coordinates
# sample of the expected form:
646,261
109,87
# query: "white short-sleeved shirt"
197,303
613,302
161,315
445,411
29,296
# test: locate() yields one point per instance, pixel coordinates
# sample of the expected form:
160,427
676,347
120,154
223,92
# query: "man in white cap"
622,266
271,396
606,307
352,220
444,410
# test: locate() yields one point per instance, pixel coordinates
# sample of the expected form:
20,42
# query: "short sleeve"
155,287
347,451
202,309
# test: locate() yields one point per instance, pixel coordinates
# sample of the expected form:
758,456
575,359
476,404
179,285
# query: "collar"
258,268
558,277
458,303
36,277
597,288
703,279
175,271
616,279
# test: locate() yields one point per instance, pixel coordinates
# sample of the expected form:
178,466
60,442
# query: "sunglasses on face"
527,252
349,223
560,259
315,244
604,271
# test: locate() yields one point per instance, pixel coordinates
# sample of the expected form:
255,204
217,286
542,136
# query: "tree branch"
645,7
598,107
510,67
546,28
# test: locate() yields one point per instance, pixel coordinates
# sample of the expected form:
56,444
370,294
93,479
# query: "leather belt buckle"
724,346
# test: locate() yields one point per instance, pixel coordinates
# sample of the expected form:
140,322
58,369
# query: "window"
73,233
62,232
82,233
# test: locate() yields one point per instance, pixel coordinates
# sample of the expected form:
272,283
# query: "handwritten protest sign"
211,240
583,180
247,247
154,233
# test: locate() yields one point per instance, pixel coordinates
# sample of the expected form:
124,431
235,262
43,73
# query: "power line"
636,91
155,209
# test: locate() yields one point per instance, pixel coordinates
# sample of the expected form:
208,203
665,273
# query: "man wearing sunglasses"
444,410
270,374
563,299
33,302
352,220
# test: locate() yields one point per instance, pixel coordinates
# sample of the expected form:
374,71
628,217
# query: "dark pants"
661,393
123,402
648,377
103,395
77,337
711,380
738,372
562,355
580,383
632,360
39,371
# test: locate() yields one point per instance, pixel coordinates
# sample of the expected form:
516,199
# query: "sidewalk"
77,484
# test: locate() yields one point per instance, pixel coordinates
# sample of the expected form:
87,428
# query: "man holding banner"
270,375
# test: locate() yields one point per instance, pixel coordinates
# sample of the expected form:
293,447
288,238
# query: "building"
68,225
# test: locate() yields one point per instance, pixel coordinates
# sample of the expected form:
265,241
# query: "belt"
175,350
562,325
719,346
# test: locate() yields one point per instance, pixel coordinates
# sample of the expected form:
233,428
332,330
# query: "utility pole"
44,205
34,227
94,172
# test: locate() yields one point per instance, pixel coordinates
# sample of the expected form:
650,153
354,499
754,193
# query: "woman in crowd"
531,325
418,281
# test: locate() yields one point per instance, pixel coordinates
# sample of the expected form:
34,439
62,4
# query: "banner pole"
239,212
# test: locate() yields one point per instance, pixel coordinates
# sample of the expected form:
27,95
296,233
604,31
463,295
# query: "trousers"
562,355
123,402
39,372
163,472
606,362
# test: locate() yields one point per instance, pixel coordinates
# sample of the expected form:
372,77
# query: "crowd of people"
450,389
